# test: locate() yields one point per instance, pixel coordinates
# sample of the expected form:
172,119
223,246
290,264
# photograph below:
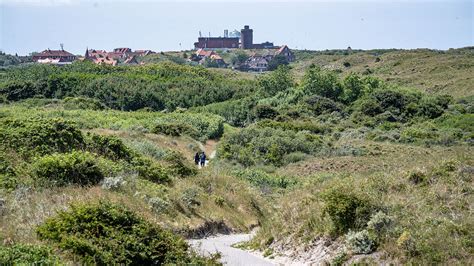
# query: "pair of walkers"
200,159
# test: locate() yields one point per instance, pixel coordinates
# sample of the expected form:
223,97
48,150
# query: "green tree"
277,61
239,58
323,83
353,87
278,80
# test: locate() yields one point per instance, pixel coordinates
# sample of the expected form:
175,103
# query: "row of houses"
255,63
260,62
115,57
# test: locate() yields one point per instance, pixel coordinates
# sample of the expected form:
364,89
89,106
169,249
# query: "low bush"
346,210
104,233
40,136
21,254
72,103
58,169
150,170
110,147
201,126
320,105
267,145
174,129
361,242
178,165
265,112
310,126
418,177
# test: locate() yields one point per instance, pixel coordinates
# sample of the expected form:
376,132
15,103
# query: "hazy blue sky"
34,25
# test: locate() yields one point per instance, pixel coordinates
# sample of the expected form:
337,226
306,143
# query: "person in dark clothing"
203,159
196,158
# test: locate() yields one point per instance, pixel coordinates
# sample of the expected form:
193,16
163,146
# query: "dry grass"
440,73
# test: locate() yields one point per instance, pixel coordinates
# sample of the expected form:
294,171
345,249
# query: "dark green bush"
104,233
346,210
174,129
109,146
18,90
276,81
267,145
7,173
149,170
20,254
320,105
201,126
265,112
72,103
178,165
293,125
58,169
322,83
157,86
40,136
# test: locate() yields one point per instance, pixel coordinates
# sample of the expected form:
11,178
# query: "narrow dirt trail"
230,255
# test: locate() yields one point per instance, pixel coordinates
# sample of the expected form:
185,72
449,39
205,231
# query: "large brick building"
216,43
245,41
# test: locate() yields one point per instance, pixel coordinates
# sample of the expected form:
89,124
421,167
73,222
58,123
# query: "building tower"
246,37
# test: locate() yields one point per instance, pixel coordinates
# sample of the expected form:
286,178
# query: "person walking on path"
203,159
196,158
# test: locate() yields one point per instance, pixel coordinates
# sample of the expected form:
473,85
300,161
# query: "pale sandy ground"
237,257
230,256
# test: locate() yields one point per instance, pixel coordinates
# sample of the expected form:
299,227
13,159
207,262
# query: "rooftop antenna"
200,35
62,46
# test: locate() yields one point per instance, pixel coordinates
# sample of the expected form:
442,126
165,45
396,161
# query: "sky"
34,25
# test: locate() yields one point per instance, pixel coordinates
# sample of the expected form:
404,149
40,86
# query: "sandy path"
230,256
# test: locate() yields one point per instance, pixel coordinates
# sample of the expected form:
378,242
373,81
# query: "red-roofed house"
52,56
286,52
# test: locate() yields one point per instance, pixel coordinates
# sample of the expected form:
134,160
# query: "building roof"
216,57
203,53
131,60
282,48
49,52
105,60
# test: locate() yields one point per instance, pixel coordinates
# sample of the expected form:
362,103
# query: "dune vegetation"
333,162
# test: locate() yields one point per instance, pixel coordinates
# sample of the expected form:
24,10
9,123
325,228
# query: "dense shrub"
40,136
310,126
174,129
156,86
20,254
18,89
320,105
7,173
322,83
266,145
64,169
276,81
361,242
104,233
265,112
178,165
235,112
71,103
346,210
109,146
149,170
201,126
